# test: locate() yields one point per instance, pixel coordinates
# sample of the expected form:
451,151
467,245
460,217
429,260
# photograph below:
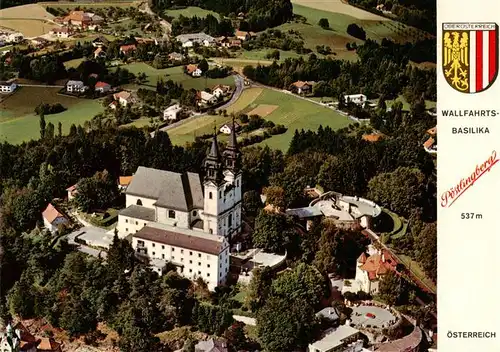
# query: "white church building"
184,219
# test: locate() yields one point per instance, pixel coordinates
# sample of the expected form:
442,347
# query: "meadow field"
32,20
18,122
285,109
176,74
191,11
337,6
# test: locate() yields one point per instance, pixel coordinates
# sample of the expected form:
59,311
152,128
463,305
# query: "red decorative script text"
449,197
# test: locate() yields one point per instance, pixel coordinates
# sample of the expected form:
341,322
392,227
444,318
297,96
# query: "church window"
153,244
153,253
208,274
173,249
139,202
182,251
199,255
163,256
126,221
126,230
199,263
190,262
171,214
190,270
190,253
137,222
230,220
237,183
195,213
211,231
209,196
208,265
162,247
199,272
220,194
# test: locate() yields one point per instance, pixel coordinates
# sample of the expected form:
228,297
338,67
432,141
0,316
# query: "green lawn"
406,106
293,112
177,75
18,122
191,11
73,63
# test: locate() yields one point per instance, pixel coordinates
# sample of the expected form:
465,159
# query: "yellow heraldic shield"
470,56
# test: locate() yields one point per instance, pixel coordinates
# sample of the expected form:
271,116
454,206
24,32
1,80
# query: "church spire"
213,163
232,155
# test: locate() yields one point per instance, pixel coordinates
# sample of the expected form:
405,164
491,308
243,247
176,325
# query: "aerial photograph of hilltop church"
218,176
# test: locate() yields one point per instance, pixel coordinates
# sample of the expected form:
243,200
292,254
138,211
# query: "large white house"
358,99
171,112
186,207
76,86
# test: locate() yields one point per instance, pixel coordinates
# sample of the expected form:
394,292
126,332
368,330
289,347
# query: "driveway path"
238,82
245,320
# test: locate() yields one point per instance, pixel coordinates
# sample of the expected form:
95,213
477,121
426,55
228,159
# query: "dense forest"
382,69
259,14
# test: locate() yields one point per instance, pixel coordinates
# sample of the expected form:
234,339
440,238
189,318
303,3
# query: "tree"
275,196
272,232
49,132
252,202
259,288
96,192
59,129
426,249
235,336
285,325
42,126
77,317
401,190
120,258
304,283
323,23
203,65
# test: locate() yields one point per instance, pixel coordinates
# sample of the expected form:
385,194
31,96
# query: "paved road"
239,83
40,85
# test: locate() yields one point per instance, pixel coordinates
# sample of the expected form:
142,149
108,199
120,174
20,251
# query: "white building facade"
8,86
183,209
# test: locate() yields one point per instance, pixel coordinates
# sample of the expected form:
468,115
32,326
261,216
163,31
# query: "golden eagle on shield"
456,59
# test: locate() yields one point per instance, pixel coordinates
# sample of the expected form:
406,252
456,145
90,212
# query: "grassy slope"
18,122
177,75
191,11
292,112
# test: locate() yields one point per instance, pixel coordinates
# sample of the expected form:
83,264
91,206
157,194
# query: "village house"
76,87
72,191
123,182
61,32
221,90
102,87
222,41
301,87
188,40
211,345
235,43
227,128
78,19
39,42
8,86
206,98
358,99
184,219
11,37
52,218
99,52
127,49
100,41
193,70
175,57
124,98
48,344
171,113
370,270
242,35
430,145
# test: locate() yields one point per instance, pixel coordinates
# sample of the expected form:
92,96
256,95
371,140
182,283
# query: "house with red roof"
127,49
52,218
102,87
370,270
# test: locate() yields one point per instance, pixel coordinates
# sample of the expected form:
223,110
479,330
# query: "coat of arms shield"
470,56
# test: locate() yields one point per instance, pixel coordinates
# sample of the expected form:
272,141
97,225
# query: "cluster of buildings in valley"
10,37
203,39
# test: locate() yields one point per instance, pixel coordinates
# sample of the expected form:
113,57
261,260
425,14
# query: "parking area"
372,316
